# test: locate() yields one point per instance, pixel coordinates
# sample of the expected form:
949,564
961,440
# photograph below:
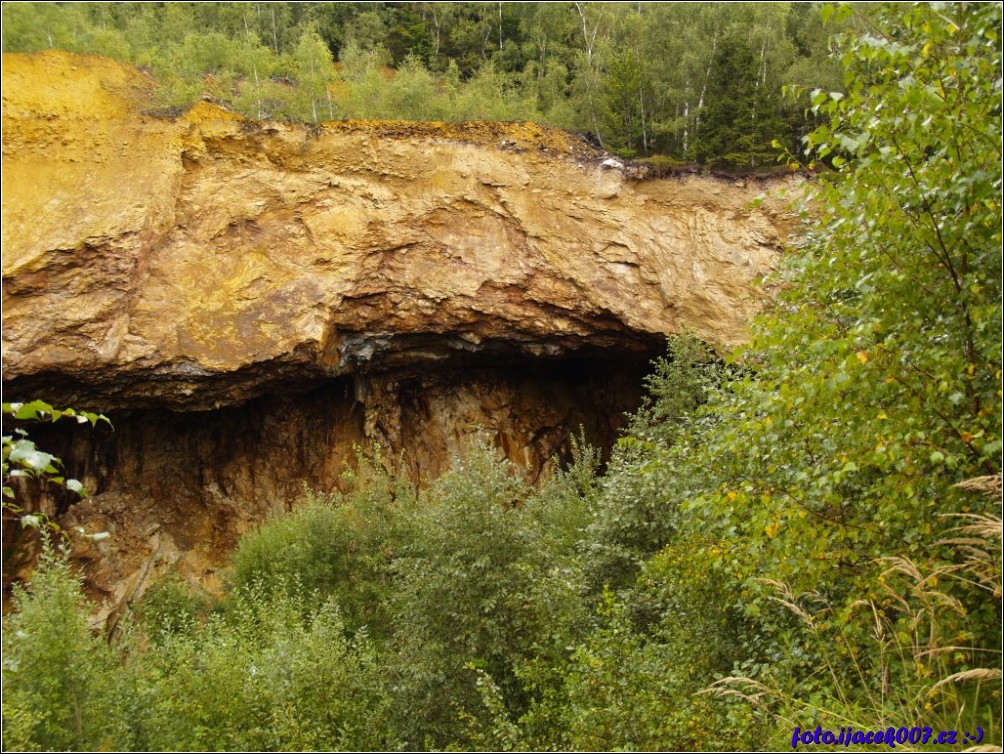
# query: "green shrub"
477,589
910,653
336,546
629,691
62,685
274,672
171,605
651,471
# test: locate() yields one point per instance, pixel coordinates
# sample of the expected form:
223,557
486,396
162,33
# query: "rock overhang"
204,260
251,302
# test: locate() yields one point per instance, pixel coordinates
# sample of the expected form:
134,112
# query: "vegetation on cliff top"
779,542
696,81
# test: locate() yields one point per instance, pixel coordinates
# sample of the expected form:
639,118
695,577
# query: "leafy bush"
636,513
337,546
62,689
171,605
831,464
274,672
630,691
477,590
931,665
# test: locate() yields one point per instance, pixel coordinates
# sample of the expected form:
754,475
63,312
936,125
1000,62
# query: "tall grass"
920,663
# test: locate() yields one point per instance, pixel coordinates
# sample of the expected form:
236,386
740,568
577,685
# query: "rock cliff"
248,301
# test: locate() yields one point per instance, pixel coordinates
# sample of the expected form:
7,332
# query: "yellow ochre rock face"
201,261
252,302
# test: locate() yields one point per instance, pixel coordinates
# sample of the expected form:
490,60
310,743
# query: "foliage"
629,691
636,513
477,591
20,456
269,673
919,676
22,459
338,546
693,80
61,692
170,605
679,383
850,450
828,464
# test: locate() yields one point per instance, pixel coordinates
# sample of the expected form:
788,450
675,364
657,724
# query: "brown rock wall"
248,300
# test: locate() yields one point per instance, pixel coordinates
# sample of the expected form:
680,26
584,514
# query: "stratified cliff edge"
248,301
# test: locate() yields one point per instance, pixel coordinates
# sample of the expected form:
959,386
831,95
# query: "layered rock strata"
249,301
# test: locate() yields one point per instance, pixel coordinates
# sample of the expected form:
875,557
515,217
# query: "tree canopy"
695,81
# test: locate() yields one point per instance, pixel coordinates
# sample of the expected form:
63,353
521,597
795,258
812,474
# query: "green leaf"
33,410
25,454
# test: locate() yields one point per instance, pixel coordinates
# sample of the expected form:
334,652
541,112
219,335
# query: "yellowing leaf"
863,357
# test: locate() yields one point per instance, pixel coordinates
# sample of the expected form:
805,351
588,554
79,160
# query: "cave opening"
205,477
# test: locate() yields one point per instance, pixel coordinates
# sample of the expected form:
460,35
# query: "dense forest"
806,533
700,82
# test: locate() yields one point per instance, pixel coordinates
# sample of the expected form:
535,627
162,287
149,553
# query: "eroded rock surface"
249,300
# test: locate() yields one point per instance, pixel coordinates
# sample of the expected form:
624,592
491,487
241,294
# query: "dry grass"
917,658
